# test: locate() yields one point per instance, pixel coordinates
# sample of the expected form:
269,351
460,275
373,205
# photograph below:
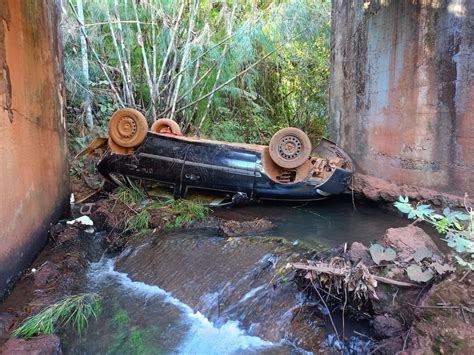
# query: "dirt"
41,345
380,190
444,318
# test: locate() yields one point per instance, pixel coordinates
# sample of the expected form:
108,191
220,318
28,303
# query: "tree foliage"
233,69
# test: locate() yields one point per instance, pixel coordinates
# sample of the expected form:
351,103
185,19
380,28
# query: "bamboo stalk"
101,65
170,47
184,58
85,66
128,94
141,44
234,77
218,75
125,54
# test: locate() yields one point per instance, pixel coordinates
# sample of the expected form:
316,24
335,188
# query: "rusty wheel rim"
289,147
127,127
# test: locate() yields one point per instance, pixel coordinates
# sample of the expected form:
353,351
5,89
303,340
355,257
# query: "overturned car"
288,169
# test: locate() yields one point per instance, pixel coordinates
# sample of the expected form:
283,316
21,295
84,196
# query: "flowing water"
193,292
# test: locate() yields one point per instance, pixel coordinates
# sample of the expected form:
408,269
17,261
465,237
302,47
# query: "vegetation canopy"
232,70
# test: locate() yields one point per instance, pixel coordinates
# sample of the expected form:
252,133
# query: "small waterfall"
203,336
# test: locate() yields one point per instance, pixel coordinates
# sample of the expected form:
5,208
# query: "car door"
219,167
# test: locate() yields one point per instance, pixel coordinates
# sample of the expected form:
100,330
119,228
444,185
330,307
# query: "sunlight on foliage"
241,70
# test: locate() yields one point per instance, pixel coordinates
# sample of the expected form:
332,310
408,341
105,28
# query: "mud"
381,190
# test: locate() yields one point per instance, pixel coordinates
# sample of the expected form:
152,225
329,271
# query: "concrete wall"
34,184
402,90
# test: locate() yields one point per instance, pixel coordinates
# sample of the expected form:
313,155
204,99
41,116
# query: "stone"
407,240
386,326
236,228
359,251
47,274
40,345
7,320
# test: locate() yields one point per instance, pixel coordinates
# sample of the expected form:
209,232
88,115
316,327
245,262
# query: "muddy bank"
380,190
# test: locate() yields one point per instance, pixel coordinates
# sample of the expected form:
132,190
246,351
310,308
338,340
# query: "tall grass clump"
139,222
186,211
71,311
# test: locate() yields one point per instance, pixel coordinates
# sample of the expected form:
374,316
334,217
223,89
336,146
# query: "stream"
193,292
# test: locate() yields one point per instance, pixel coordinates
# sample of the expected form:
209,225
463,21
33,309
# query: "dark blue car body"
196,164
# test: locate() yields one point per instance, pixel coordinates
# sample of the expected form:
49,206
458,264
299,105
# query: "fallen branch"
325,269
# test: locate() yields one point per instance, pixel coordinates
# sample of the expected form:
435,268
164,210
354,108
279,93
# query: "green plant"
139,222
456,226
186,211
71,311
121,318
130,195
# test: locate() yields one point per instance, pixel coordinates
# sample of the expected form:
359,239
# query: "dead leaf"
379,254
415,273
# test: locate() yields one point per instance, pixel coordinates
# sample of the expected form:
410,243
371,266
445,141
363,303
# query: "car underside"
288,169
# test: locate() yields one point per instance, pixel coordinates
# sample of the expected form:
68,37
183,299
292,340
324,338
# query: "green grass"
71,311
139,222
130,195
186,211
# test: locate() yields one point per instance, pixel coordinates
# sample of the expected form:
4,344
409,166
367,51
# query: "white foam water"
203,336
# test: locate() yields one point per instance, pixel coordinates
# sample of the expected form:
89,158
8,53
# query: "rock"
41,345
386,327
407,240
62,233
47,274
444,331
7,320
359,251
236,228
377,189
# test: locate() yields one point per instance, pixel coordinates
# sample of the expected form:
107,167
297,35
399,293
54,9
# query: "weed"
136,343
139,222
70,311
130,195
121,319
186,211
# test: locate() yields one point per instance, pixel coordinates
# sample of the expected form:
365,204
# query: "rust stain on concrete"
34,183
402,91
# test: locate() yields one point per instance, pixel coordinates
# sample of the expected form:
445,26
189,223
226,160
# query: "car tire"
166,123
290,147
128,128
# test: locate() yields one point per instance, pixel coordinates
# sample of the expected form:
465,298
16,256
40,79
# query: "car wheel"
166,125
128,128
290,147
